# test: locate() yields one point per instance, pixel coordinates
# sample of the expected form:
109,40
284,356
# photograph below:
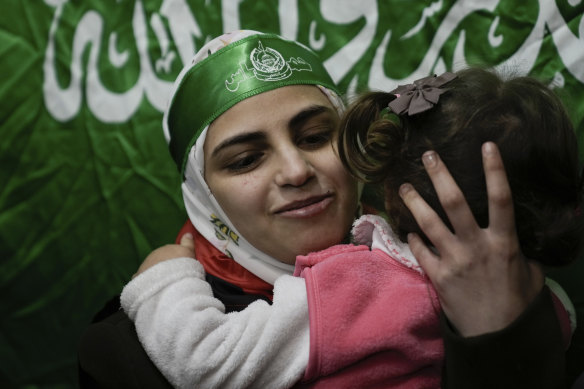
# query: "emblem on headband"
267,65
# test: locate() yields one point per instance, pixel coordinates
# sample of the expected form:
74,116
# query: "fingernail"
188,235
430,159
404,189
489,148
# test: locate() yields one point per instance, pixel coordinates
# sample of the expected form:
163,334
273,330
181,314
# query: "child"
373,313
522,116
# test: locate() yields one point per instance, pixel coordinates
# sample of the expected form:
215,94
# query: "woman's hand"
482,279
186,248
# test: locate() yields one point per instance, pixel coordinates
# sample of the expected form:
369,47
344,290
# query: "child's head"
521,115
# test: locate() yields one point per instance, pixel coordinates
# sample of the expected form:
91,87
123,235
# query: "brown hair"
521,115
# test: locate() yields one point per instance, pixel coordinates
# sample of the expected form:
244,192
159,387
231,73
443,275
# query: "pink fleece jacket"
374,314
374,318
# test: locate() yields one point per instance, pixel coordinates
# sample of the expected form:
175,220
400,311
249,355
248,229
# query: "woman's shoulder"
111,355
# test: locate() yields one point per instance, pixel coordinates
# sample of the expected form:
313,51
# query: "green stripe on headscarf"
242,69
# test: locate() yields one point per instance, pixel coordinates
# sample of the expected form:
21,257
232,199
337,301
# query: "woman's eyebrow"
239,139
306,114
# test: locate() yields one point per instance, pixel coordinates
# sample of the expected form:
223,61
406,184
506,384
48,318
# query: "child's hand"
483,281
186,248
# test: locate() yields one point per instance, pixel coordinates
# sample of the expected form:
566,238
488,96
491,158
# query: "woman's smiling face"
271,163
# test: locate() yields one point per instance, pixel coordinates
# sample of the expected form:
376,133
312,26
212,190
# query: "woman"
262,185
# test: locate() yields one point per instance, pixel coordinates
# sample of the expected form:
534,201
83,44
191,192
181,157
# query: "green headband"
242,69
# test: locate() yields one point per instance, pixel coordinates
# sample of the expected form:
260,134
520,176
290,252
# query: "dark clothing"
527,354
111,356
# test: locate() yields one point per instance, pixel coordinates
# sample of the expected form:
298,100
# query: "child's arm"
186,333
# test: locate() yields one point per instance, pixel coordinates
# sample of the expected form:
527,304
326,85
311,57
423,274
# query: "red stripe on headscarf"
219,265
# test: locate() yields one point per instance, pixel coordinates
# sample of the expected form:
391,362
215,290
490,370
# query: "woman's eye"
244,163
316,140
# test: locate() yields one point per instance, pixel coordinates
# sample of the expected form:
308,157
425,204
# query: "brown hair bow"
420,96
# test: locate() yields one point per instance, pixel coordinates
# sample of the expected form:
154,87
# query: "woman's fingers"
501,217
429,261
450,196
432,226
428,220
485,263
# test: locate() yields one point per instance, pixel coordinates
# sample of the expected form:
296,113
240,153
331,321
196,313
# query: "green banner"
87,185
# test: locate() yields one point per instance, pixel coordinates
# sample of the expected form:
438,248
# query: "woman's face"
271,163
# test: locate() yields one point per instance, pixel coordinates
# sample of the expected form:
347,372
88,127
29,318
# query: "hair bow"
420,96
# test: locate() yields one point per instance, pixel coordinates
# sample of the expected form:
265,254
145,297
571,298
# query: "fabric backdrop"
87,186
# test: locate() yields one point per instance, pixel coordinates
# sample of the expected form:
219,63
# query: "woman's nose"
295,169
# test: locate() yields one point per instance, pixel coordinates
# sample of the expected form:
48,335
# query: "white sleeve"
186,333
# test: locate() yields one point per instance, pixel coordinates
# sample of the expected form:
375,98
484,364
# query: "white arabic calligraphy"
570,47
64,102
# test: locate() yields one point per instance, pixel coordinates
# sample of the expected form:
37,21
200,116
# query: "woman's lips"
306,208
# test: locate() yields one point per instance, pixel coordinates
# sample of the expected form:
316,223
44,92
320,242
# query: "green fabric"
87,185
234,73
